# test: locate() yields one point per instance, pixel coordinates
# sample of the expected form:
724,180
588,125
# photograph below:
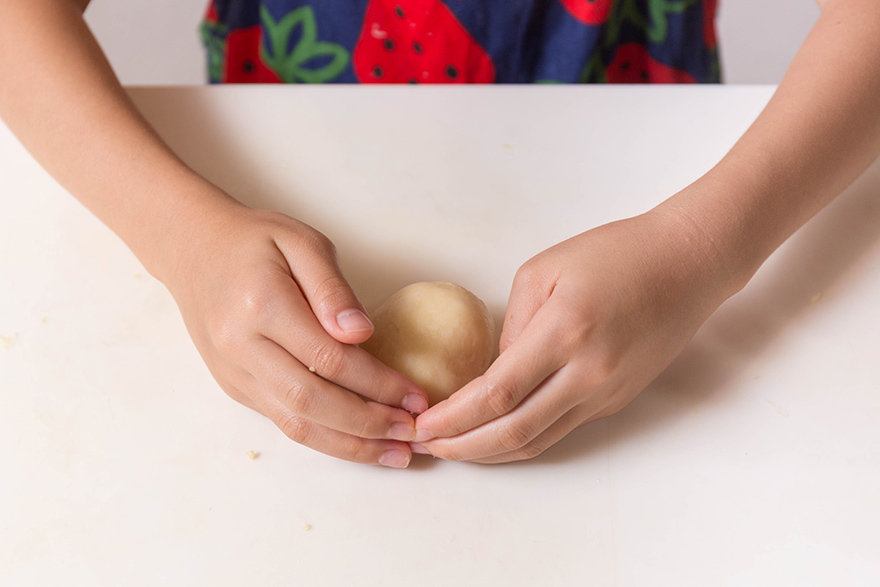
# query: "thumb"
529,292
330,296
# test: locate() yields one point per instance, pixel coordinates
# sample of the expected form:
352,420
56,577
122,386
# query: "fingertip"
427,421
403,431
438,421
414,403
395,459
354,322
418,449
350,326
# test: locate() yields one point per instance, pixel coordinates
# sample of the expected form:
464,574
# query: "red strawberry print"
243,62
709,9
418,41
589,11
633,65
211,15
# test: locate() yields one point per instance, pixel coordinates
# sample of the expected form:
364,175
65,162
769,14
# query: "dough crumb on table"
252,454
7,342
307,527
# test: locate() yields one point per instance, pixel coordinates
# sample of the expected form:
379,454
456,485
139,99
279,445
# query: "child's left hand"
590,323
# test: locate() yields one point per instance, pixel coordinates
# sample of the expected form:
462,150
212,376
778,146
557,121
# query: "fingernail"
414,404
396,459
401,431
418,448
422,435
353,321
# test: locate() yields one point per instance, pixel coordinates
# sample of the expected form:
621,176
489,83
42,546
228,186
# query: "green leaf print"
654,24
594,72
295,66
214,39
715,73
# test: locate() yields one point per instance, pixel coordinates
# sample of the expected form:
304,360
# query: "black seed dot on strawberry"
644,75
389,44
412,81
417,47
625,65
451,72
377,71
399,11
248,66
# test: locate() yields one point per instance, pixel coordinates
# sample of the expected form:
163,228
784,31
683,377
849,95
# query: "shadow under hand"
815,262
196,127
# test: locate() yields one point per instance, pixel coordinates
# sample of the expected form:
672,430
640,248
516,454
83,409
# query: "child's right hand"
265,303
261,294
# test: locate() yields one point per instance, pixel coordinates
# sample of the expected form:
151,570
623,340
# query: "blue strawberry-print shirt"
461,41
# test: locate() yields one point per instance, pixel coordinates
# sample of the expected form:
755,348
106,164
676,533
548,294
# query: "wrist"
719,232
189,213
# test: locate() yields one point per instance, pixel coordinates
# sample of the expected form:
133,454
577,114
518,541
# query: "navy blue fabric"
527,40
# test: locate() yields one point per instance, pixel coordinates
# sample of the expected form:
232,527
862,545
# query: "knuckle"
227,336
226,339
534,280
328,246
500,397
603,366
530,451
355,450
272,217
614,405
526,274
613,410
365,427
327,359
514,437
315,240
295,428
333,292
297,397
256,302
573,327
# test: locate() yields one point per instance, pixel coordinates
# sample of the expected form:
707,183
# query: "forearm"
818,133
60,97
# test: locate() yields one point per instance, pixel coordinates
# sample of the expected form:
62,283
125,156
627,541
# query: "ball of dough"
439,335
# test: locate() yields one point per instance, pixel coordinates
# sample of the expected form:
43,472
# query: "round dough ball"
439,335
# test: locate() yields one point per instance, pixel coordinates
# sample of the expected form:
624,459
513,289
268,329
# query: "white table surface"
753,460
